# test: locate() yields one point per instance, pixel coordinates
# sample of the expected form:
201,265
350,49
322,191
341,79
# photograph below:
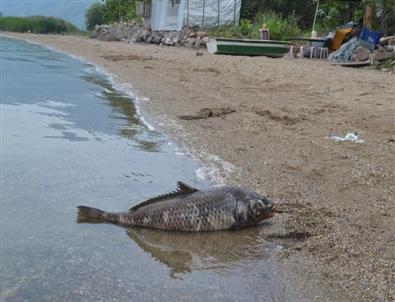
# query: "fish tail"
90,215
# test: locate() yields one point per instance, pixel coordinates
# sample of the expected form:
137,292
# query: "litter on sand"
351,137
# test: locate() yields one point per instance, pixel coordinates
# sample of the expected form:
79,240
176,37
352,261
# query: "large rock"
361,54
387,41
149,39
201,34
190,42
168,41
383,53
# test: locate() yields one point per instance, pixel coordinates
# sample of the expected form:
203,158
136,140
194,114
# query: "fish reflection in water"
220,252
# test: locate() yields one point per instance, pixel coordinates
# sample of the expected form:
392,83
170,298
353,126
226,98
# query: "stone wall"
132,33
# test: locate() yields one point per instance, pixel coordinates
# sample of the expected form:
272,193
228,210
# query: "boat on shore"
247,47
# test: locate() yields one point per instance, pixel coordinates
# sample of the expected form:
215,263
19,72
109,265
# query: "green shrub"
94,16
36,24
303,9
280,28
245,27
226,31
118,10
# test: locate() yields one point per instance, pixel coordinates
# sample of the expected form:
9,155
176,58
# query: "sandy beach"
267,124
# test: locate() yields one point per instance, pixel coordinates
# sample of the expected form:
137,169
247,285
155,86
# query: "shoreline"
270,119
212,166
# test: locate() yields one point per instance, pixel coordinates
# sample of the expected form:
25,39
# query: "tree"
94,16
331,13
303,10
376,14
385,16
119,10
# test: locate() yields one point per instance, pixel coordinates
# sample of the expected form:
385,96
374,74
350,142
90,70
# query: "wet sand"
266,123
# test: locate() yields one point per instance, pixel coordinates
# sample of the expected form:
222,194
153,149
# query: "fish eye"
260,204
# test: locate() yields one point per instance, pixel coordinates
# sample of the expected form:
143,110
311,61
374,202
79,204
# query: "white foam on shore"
213,168
129,91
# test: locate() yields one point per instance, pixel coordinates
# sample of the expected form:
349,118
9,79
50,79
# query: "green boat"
246,47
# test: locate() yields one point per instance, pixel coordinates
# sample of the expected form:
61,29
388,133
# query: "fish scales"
197,212
190,209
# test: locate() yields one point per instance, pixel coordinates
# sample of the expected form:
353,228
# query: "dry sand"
269,121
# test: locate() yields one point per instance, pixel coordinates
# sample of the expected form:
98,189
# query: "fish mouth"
270,212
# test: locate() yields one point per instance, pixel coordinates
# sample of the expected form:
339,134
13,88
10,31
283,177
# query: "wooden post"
119,11
187,12
218,12
204,8
234,14
368,16
384,24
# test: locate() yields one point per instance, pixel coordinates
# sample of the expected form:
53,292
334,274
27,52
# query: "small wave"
213,168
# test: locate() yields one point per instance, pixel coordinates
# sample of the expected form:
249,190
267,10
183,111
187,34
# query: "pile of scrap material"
358,53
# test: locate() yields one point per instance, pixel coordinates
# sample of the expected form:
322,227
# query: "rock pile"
384,51
190,37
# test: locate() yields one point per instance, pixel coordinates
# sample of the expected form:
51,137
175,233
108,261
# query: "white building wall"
205,12
193,12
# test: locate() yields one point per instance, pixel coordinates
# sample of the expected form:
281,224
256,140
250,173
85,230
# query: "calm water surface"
69,138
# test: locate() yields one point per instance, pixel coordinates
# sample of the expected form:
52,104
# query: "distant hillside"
36,24
70,10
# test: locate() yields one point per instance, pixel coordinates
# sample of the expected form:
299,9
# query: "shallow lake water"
68,137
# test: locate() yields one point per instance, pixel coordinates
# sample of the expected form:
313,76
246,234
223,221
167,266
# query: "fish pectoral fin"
182,189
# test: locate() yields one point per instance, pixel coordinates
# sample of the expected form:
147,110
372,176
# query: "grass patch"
37,25
280,28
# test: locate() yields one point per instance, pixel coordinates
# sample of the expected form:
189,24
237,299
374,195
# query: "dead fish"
190,209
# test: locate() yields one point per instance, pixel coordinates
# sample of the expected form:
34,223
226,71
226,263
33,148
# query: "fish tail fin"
90,215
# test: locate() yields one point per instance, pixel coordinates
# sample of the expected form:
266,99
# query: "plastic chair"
314,52
324,52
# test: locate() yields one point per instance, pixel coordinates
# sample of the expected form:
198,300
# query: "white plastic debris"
351,137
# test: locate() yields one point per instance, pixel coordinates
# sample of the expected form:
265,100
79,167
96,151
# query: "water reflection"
70,136
17,51
220,252
87,101
124,110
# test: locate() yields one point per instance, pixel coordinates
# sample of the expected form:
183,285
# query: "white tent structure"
174,14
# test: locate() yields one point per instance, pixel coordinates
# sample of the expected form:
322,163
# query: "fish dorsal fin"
182,189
